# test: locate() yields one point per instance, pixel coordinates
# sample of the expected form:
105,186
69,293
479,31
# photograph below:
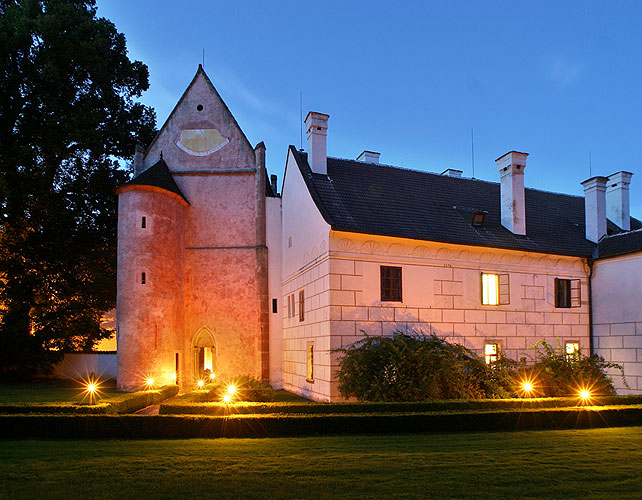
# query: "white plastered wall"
305,266
617,317
441,294
273,240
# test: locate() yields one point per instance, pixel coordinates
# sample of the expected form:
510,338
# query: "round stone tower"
151,229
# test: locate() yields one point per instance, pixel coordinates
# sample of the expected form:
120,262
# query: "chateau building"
219,273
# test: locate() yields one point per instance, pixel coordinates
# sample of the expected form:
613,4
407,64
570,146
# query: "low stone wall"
79,365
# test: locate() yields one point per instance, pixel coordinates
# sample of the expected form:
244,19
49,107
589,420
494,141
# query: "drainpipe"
590,262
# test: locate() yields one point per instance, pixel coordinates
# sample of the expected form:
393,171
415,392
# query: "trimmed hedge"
188,405
162,426
124,403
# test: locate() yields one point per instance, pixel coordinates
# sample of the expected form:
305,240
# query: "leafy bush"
418,367
247,389
556,373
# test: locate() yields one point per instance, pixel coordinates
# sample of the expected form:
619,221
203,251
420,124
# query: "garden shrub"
555,373
417,367
247,389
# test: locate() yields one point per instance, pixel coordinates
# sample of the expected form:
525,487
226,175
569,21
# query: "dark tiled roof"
391,201
157,175
620,244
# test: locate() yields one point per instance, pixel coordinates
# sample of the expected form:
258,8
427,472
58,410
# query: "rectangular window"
291,305
568,293
275,309
491,352
390,284
143,278
495,289
301,306
143,222
572,350
310,363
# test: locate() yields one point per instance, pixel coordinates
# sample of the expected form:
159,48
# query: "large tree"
68,116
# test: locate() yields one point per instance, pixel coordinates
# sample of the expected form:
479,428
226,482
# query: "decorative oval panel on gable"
201,142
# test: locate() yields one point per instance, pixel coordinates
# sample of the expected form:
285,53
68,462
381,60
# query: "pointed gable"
201,134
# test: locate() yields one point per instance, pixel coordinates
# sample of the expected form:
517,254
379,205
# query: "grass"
589,464
51,392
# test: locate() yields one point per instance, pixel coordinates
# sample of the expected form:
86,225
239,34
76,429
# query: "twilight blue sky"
555,79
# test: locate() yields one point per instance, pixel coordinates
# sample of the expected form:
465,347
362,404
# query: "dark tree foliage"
67,116
417,367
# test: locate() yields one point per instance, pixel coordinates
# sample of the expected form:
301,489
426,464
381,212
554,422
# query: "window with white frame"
495,289
568,293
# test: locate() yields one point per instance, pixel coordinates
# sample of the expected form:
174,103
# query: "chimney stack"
595,207
452,172
139,157
273,183
617,199
369,157
316,125
513,202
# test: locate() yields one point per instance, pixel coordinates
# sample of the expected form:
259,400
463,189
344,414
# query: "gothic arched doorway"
204,354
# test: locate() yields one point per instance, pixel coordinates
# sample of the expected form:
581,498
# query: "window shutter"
504,289
576,293
558,292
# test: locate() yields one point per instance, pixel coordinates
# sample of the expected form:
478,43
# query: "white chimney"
369,157
595,207
316,125
513,202
451,172
617,199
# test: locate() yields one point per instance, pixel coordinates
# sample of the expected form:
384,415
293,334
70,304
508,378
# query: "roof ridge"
474,179
623,233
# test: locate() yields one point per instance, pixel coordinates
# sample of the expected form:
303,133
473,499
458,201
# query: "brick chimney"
369,157
617,199
316,125
595,207
512,200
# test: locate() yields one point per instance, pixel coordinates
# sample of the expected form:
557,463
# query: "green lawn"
69,392
601,463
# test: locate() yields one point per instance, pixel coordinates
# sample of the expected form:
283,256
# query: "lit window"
572,350
491,352
390,284
310,363
495,289
567,293
301,305
143,278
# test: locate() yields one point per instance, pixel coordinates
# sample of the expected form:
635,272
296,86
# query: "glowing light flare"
212,376
200,384
585,394
149,383
231,390
172,376
527,387
91,389
227,398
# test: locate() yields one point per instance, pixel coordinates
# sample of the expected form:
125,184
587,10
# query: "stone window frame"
502,287
568,293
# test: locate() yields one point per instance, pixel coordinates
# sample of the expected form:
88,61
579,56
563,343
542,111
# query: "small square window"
495,289
390,284
491,352
301,306
567,293
572,350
